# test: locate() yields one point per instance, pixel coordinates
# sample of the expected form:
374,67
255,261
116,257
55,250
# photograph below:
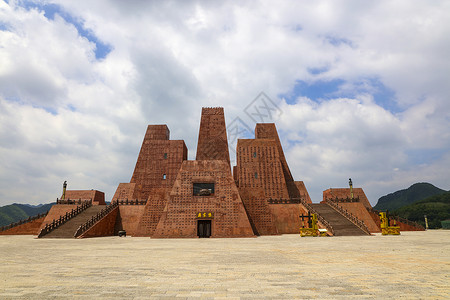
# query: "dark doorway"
204,228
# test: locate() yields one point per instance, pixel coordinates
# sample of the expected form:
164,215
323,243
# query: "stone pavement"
415,265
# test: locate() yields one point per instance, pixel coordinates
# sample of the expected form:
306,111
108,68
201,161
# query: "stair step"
68,229
341,225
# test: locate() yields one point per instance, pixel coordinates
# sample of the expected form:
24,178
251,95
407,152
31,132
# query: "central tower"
212,137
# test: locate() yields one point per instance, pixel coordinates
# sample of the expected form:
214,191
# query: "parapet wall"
128,218
29,228
360,211
343,193
104,227
97,197
56,211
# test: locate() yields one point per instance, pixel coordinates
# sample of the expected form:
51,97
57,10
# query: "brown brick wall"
128,218
158,163
156,203
286,217
360,211
29,228
125,191
104,227
212,137
269,131
259,166
157,132
56,211
98,198
179,217
303,191
259,214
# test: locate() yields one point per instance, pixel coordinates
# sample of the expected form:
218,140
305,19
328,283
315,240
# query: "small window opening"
254,154
164,176
165,155
256,175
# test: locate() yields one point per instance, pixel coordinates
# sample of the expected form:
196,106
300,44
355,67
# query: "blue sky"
50,10
360,88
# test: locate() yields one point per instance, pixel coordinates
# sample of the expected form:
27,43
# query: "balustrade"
349,216
23,221
89,223
401,220
319,217
63,219
130,202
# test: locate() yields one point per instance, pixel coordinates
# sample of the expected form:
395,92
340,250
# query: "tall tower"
212,137
158,163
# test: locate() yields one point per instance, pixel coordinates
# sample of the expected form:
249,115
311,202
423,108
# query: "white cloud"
66,115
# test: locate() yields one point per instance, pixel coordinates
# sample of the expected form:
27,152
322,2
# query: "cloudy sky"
357,89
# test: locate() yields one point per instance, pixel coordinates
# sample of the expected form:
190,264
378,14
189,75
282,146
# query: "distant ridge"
414,193
437,209
16,212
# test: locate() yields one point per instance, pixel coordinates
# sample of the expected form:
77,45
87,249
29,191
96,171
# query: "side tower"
268,190
269,131
157,165
155,172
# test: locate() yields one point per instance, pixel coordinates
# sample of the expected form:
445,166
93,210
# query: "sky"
357,89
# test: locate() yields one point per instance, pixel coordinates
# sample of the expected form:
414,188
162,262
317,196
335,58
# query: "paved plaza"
415,265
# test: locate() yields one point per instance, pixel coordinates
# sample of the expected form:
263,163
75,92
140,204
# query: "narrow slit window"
256,175
165,155
164,176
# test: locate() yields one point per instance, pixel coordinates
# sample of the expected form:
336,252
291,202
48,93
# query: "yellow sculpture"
385,228
313,229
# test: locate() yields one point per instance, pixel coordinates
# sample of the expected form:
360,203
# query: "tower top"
212,111
212,137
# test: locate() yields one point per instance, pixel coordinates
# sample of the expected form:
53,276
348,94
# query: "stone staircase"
341,225
68,229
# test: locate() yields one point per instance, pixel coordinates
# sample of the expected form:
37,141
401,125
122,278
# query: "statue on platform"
64,190
350,183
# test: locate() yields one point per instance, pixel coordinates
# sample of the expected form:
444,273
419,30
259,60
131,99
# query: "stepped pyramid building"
202,197
170,196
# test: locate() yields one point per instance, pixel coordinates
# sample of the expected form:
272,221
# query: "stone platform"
414,265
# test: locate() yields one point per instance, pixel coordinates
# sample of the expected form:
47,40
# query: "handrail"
63,219
359,223
70,201
23,221
345,200
283,201
400,219
319,217
89,223
130,202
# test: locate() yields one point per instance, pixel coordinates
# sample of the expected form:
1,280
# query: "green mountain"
416,192
437,209
16,212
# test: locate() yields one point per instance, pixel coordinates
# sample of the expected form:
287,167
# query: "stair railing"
400,219
64,218
89,223
319,217
130,202
359,223
69,201
23,221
